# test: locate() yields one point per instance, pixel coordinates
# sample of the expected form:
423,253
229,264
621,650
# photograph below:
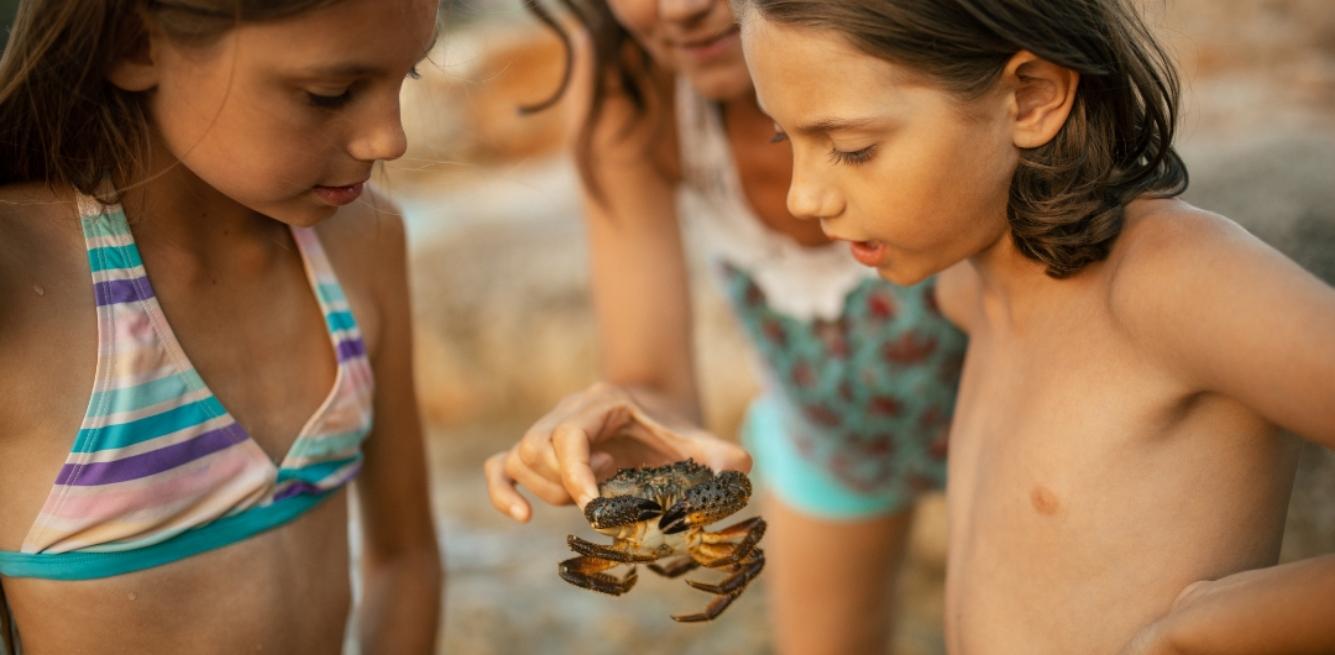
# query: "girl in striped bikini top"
195,304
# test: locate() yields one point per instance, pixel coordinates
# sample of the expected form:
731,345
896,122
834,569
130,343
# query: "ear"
1042,94
137,70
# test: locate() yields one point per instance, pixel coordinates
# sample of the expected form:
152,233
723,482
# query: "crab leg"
586,547
743,574
676,567
728,590
587,572
753,528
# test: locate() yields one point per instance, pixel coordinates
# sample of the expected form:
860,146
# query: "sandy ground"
504,330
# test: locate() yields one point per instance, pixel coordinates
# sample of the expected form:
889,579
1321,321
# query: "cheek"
637,16
938,184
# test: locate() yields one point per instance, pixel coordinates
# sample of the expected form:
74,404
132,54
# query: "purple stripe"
351,348
149,463
297,488
302,487
112,292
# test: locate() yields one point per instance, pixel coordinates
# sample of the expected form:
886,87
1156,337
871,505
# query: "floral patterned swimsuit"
861,374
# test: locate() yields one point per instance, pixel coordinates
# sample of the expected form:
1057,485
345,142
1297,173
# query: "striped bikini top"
159,470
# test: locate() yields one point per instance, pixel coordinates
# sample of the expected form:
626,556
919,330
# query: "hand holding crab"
654,513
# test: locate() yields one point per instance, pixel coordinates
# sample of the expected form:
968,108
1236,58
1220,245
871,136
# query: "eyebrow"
362,70
834,124
825,125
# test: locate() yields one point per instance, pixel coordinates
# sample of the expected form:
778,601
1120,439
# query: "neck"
1009,280
173,210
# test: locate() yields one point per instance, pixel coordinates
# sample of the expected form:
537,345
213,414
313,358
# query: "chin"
722,83
302,216
902,277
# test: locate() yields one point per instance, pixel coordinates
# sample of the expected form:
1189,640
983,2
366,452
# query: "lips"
340,195
708,47
868,253
707,41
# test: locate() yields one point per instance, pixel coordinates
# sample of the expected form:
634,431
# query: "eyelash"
334,102
855,158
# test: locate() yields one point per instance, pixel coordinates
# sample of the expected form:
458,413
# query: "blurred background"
504,327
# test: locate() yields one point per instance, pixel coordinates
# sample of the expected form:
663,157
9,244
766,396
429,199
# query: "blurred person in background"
861,373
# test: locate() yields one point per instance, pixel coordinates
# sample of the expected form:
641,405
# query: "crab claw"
708,502
610,512
674,520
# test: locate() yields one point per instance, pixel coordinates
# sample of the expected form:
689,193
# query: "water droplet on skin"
37,289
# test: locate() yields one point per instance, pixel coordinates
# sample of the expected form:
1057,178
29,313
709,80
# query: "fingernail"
517,511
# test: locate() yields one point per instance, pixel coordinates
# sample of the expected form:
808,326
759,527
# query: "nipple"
1045,502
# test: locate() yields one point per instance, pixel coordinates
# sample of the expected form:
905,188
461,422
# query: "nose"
684,10
810,197
382,138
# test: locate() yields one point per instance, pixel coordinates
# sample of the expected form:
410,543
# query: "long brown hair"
618,62
1068,197
61,121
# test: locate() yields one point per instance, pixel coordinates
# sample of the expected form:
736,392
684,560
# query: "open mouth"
868,253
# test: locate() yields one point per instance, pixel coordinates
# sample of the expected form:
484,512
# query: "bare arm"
647,407
1233,317
400,567
1281,609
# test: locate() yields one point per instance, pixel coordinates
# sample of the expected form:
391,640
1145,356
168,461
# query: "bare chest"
1088,486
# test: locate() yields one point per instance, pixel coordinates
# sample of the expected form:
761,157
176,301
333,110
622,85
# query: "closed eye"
854,157
329,101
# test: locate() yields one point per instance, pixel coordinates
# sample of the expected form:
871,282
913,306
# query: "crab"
657,513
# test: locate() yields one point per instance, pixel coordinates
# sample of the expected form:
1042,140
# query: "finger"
572,450
718,454
544,489
603,464
538,455
501,489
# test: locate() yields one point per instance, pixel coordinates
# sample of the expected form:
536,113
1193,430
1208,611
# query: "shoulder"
36,223
1179,269
957,294
1168,247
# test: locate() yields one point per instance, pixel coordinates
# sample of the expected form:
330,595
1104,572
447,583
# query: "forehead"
798,70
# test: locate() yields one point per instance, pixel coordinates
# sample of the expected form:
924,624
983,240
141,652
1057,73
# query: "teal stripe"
114,257
223,532
150,427
110,224
330,445
315,472
340,320
131,399
330,291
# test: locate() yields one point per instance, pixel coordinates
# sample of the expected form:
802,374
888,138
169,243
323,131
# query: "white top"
803,282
